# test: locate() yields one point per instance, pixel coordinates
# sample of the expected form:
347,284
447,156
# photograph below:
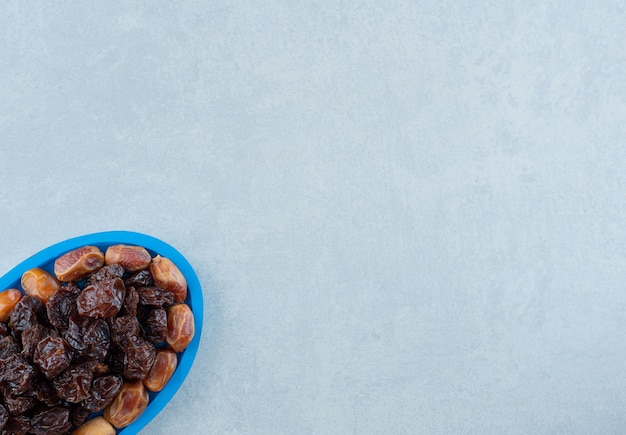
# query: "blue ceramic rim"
45,259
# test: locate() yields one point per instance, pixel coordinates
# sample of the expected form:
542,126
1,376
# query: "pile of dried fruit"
94,338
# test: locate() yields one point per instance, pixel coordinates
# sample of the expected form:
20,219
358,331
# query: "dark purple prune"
74,384
102,299
18,404
52,421
155,296
62,305
17,374
4,416
129,306
106,273
78,415
143,278
124,330
89,337
138,359
45,392
103,391
26,313
17,425
156,326
8,346
53,355
4,329
32,336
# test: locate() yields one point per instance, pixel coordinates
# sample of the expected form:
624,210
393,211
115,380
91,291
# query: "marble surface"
408,217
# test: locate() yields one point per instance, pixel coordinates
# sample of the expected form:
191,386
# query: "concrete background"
408,217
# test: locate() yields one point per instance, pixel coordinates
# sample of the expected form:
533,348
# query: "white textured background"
408,217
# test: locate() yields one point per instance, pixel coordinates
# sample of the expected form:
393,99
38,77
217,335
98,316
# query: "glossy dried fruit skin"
124,330
18,404
77,264
8,300
132,258
45,392
25,314
107,273
74,384
17,425
78,415
95,426
4,416
17,374
39,284
32,336
155,296
166,275
103,391
129,306
102,299
8,346
89,337
62,305
140,279
53,421
138,359
128,405
162,370
156,326
180,327
53,355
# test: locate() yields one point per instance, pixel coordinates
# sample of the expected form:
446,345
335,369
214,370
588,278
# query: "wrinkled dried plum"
17,374
103,391
45,392
4,416
26,314
143,278
129,306
89,337
32,336
53,355
155,296
156,326
62,305
74,384
17,425
18,404
52,421
102,299
8,346
124,330
106,273
78,415
138,359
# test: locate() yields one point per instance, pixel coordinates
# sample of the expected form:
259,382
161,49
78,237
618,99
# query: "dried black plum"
53,355
124,330
18,404
106,273
156,326
102,299
89,337
142,278
155,296
103,391
129,306
52,421
17,374
62,305
32,336
26,313
138,359
74,384
8,346
17,425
